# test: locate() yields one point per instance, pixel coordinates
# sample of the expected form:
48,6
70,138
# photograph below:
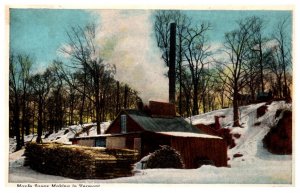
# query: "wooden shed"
146,129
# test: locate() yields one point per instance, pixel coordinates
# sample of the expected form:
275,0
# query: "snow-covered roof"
161,124
91,136
188,134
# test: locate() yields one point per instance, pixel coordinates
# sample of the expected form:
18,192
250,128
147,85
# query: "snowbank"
16,159
249,174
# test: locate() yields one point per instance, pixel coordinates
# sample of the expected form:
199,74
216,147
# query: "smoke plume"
126,40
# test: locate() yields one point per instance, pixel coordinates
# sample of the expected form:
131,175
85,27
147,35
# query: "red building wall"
192,149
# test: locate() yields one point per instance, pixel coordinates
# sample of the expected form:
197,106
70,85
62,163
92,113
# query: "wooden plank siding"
192,149
116,142
87,142
128,143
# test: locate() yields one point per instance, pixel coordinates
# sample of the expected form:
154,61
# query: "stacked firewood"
165,157
78,162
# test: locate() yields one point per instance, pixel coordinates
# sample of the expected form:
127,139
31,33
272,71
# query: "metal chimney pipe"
172,60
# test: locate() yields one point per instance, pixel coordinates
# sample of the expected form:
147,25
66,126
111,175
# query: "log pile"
165,157
80,162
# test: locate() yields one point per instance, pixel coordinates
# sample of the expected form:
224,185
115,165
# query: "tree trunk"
252,90
236,122
222,99
188,105
27,127
195,101
82,107
204,103
180,92
285,87
17,123
91,111
98,115
71,119
33,118
102,107
279,86
22,134
126,97
24,112
40,122
261,68
118,99
59,115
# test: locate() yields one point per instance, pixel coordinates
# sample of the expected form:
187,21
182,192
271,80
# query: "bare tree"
85,58
14,96
196,55
234,72
162,31
72,94
41,84
187,91
283,52
255,76
19,74
257,44
25,63
183,23
206,85
57,103
276,72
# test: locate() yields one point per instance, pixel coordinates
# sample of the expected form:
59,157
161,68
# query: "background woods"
245,67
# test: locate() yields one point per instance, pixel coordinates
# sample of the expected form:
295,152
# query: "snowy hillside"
255,165
63,135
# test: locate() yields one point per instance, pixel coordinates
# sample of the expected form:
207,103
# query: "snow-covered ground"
256,166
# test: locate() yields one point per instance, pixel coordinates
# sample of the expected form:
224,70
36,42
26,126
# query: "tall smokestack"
172,60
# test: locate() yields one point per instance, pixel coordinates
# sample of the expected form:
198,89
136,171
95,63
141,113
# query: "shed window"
101,142
123,124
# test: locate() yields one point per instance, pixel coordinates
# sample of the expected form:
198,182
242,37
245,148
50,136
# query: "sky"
226,20
41,32
124,38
